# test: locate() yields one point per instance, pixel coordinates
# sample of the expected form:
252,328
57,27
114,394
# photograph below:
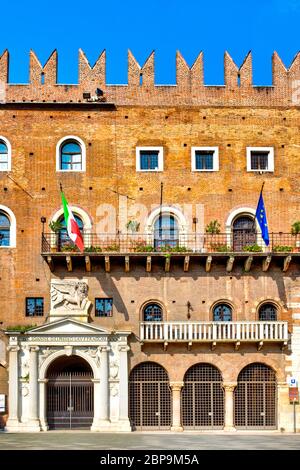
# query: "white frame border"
8,145
83,154
270,158
215,158
160,158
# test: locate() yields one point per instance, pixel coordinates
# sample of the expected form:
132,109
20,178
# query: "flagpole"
262,187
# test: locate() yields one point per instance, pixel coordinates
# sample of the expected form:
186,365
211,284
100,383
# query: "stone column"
13,389
285,409
101,396
33,424
176,406
42,403
124,422
229,389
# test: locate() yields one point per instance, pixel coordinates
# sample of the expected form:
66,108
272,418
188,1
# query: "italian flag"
71,224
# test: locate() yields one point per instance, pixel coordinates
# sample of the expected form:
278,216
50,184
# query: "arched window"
70,154
222,312
4,229
63,238
267,312
244,233
153,312
166,233
5,154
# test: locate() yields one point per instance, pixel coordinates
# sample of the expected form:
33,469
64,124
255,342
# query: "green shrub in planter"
285,248
253,248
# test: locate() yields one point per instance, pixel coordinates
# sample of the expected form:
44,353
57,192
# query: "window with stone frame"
34,307
103,307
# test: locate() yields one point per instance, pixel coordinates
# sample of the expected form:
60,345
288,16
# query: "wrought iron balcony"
227,248
215,332
187,243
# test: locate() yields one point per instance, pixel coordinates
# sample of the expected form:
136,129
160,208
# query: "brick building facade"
204,329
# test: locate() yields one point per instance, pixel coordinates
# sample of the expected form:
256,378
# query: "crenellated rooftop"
141,89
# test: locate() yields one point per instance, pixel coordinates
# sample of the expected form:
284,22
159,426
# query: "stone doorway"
70,394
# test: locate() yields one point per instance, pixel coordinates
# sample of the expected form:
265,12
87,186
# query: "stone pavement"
78,440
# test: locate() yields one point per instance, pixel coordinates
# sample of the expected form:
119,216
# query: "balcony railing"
187,243
244,331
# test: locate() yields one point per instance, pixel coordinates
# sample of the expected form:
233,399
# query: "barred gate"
149,397
202,398
70,400
255,398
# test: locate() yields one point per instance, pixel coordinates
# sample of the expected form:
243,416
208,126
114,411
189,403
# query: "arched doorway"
149,397
243,232
70,394
166,232
202,398
255,398
63,237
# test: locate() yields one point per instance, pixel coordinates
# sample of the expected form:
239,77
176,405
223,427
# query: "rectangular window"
260,159
103,307
34,306
205,158
149,159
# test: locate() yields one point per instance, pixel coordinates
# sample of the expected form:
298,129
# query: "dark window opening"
63,237
153,312
204,159
222,312
268,312
34,306
259,160
149,159
103,307
166,233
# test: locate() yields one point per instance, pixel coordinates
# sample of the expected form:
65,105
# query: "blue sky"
164,25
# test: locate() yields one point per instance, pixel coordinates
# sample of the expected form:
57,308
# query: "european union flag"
261,217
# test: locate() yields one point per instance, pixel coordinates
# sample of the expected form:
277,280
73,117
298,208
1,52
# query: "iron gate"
255,398
202,398
149,397
70,400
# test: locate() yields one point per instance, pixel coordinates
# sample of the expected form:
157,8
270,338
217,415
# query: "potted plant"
213,227
142,247
69,247
93,249
133,226
55,227
295,230
220,248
